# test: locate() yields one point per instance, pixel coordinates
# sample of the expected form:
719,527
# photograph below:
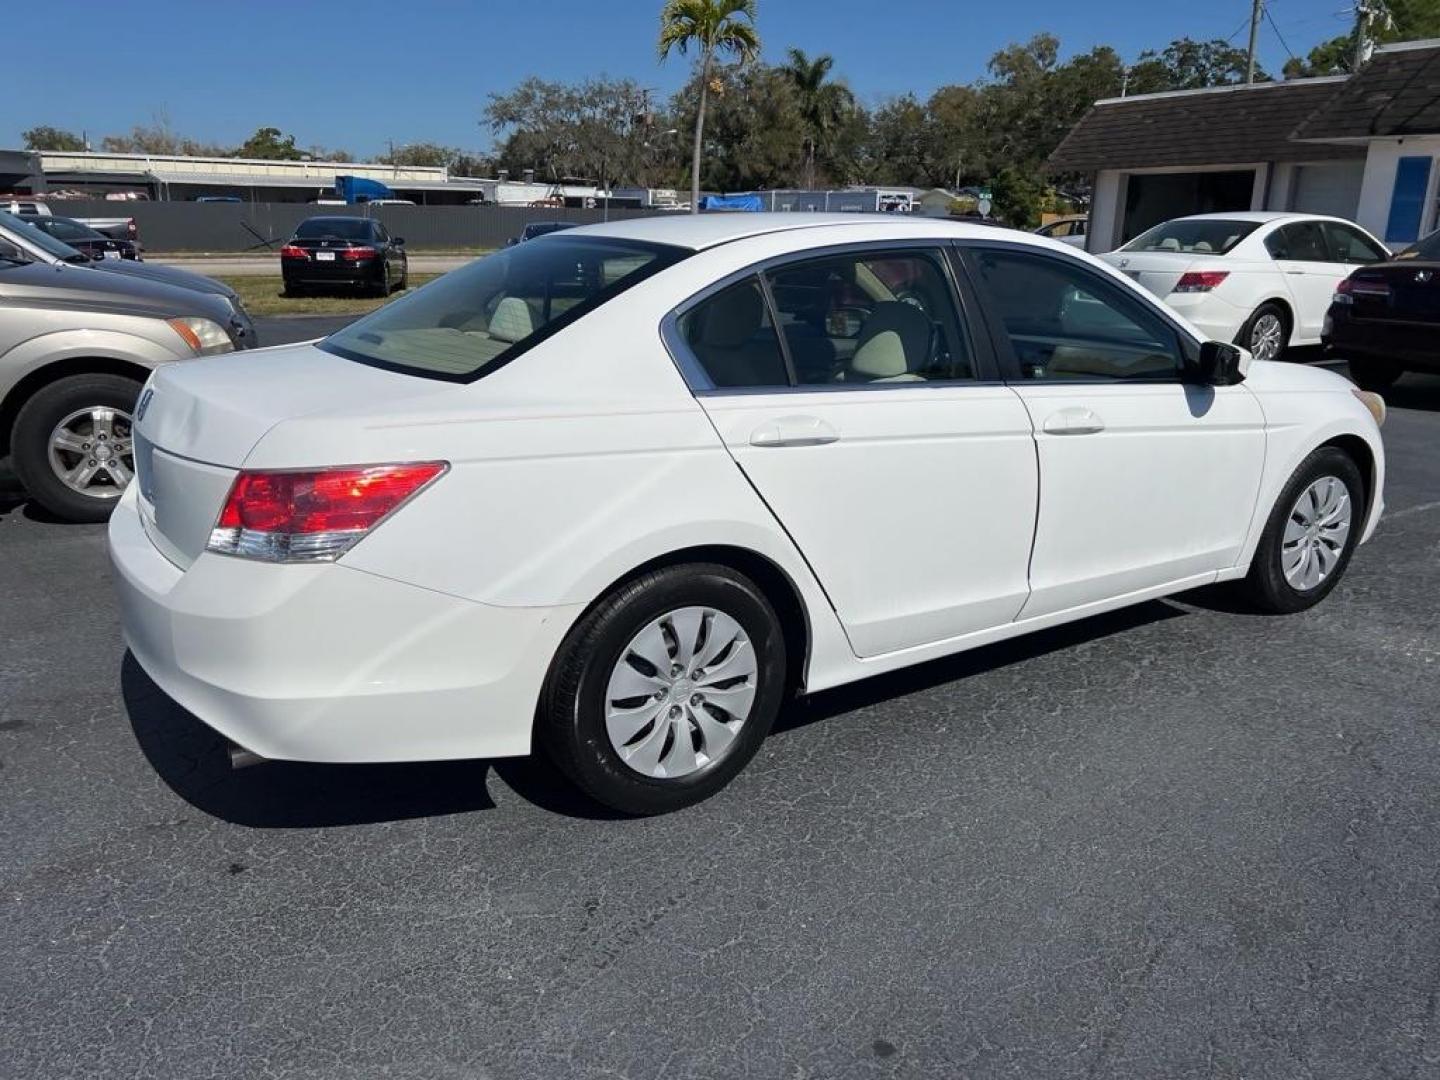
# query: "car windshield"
1427,248
39,238
475,319
1193,236
333,228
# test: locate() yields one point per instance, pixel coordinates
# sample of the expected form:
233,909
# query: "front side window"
71,230
870,317
1193,236
1348,244
474,319
1066,322
41,239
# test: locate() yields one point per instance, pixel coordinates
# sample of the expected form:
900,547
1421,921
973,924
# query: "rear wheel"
1374,374
666,689
1266,332
72,445
1311,534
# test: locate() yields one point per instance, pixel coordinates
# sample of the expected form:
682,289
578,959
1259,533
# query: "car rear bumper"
1414,346
337,273
325,663
1212,315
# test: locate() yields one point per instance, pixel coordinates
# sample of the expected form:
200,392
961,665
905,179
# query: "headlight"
1375,403
203,336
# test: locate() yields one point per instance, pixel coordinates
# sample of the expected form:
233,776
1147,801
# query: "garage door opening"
1156,197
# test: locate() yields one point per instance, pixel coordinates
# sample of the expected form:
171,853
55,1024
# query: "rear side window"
1193,236
733,339
1301,241
481,316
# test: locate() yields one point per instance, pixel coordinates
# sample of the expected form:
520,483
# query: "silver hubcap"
1315,534
91,452
1266,337
680,692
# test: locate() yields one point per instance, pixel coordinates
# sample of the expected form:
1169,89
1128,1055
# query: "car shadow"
927,676
1414,391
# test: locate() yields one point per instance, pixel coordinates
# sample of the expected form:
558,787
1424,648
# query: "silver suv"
76,345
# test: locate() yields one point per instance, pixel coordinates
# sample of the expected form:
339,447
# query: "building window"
1407,200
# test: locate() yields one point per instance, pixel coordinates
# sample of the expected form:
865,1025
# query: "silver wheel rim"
1265,337
91,451
680,693
1315,533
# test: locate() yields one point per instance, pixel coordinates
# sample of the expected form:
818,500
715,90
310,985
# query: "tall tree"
595,129
1410,20
270,144
823,104
713,28
44,137
1187,64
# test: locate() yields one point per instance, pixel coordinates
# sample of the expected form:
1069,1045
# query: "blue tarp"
357,189
732,202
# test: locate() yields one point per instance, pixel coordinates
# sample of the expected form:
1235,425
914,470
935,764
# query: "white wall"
1106,211
1379,182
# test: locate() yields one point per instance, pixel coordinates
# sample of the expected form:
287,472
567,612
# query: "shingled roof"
1396,93
1230,125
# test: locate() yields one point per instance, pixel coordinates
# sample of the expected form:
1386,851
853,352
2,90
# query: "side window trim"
772,312
988,369
968,250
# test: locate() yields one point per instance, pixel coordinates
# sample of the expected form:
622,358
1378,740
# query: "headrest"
512,320
731,318
895,340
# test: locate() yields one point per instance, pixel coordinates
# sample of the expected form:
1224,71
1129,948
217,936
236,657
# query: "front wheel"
666,689
1311,534
1265,333
72,445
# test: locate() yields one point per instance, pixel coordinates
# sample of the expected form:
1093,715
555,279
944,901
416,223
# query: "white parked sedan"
620,492
1261,280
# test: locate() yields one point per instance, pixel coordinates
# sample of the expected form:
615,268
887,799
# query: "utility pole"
1367,14
1257,12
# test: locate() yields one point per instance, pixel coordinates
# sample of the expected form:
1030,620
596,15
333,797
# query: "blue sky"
356,73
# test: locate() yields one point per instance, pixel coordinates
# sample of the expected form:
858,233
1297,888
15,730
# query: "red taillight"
293,251
1200,280
312,515
1350,288
355,254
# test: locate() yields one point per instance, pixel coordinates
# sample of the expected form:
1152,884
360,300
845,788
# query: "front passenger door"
1145,480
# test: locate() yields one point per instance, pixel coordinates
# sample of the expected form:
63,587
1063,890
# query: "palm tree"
822,104
712,27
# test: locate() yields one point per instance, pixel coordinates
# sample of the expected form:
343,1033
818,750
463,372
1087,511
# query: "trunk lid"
1160,271
1405,291
196,422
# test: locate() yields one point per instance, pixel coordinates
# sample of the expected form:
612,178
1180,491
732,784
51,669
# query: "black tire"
404,280
570,725
295,290
30,440
1371,373
1265,585
1245,337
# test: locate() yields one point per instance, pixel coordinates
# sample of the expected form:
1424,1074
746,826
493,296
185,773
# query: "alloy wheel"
680,692
1315,533
1267,336
92,453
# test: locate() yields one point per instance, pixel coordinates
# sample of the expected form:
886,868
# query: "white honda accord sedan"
1263,280
621,492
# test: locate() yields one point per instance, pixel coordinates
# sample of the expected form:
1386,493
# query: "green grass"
264,296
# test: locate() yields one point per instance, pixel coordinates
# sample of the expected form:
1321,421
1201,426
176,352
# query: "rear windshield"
1205,236
321,228
1428,248
474,319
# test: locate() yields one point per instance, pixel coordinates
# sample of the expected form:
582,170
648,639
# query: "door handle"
1299,272
794,431
1077,421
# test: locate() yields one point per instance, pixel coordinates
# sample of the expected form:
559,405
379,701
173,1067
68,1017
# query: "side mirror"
398,241
1221,364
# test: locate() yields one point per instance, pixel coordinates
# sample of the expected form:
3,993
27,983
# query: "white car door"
1145,479
1310,275
907,483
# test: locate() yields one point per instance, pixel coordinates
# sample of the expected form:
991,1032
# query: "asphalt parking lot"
1180,840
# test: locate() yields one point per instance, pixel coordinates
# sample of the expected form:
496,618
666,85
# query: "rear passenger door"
850,390
1301,254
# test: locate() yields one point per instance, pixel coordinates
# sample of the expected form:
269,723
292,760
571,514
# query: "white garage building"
1363,147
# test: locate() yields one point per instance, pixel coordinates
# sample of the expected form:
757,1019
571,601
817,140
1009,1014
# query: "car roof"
700,231
336,217
1260,216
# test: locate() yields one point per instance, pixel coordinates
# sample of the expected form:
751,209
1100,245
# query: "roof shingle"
1396,93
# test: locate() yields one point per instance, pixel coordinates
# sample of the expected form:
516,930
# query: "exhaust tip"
240,758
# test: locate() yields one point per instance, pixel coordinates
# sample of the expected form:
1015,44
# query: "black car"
83,238
343,253
1385,318
538,228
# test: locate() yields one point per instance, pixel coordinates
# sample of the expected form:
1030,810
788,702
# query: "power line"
1283,44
